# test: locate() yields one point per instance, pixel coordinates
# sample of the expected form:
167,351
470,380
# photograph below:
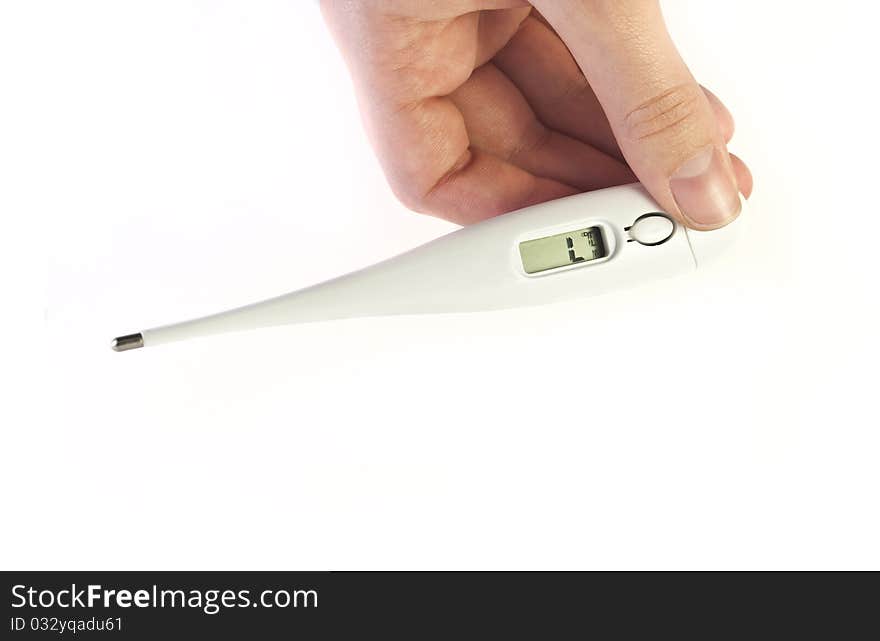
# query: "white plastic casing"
480,268
706,246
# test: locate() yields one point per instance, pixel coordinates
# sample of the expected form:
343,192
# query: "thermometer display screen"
570,248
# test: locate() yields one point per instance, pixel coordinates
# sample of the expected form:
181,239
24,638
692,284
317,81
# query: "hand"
480,107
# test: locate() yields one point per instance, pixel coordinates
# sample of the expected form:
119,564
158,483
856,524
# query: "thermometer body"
582,245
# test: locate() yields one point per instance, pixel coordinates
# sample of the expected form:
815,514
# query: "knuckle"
670,113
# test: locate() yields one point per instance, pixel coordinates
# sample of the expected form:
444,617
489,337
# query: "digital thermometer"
582,245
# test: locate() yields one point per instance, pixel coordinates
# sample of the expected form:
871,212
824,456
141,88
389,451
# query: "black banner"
147,605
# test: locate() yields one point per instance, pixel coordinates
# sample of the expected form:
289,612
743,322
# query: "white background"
167,159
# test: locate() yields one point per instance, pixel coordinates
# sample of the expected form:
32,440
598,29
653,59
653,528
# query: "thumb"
662,120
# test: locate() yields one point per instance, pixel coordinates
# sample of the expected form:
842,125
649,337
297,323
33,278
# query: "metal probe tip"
125,343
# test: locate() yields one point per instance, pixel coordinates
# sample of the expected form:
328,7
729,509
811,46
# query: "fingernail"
705,191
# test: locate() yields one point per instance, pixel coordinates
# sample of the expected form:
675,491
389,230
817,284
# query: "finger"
743,176
722,115
499,121
418,133
425,152
494,30
542,68
485,186
426,11
662,120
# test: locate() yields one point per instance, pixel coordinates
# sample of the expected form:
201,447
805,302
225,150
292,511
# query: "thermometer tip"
125,343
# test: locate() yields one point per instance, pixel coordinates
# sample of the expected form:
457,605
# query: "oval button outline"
632,229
